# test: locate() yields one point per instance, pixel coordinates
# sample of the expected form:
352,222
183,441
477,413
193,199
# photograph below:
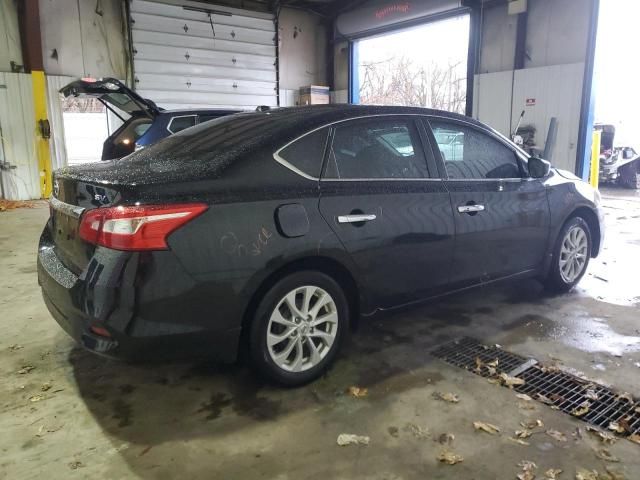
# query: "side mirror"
538,168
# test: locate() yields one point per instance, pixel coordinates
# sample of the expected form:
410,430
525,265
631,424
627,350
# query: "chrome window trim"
181,116
66,208
497,135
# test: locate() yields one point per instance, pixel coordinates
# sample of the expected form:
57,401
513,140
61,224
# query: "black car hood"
113,93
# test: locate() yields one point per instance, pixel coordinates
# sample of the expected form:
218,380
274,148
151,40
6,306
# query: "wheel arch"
326,265
591,218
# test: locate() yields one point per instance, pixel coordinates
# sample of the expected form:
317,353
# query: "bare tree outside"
402,81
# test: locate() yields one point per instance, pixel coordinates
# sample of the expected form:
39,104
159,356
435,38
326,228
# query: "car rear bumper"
78,302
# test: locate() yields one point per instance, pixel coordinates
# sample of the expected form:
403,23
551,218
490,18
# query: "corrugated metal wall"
556,91
17,129
194,59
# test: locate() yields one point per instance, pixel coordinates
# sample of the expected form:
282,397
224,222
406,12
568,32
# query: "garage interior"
524,67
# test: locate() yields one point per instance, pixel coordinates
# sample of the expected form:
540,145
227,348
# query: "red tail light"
144,227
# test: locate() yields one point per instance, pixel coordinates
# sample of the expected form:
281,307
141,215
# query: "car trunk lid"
113,94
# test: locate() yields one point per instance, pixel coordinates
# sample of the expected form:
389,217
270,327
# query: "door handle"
470,208
356,218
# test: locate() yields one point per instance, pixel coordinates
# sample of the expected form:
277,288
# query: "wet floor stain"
578,330
122,412
213,408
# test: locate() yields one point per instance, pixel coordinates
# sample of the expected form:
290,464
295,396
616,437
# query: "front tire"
298,328
630,175
571,255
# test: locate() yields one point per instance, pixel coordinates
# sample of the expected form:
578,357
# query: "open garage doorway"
423,66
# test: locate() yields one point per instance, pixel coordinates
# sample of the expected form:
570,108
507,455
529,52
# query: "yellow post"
595,158
42,131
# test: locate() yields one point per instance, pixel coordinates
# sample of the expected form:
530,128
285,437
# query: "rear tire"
571,254
298,328
630,175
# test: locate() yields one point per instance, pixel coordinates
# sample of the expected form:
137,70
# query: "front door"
381,195
501,215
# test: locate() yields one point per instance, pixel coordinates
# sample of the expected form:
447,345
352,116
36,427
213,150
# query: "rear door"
501,215
381,194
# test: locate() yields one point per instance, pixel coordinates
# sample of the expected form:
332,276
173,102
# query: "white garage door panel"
248,19
201,99
181,61
177,54
198,84
187,41
169,68
201,29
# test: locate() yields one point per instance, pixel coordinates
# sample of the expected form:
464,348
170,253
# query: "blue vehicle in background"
144,123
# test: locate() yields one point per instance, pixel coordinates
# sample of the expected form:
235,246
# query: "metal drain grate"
463,353
569,393
551,386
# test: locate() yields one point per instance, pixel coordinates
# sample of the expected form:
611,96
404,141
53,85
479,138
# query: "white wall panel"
57,146
185,58
492,100
10,49
18,132
557,90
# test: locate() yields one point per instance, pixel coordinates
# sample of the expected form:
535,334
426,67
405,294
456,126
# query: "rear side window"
470,154
377,148
180,123
306,153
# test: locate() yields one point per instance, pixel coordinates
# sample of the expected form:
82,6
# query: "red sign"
530,102
389,9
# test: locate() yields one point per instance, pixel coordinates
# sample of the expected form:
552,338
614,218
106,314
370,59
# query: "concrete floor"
104,419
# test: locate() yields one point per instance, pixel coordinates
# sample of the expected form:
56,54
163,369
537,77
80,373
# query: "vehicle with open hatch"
143,122
273,232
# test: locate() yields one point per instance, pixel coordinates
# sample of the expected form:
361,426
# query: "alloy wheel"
573,254
302,328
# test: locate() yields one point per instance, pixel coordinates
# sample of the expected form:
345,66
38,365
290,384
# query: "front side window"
470,154
180,123
376,148
306,153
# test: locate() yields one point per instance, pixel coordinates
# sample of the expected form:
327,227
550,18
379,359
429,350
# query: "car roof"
334,112
200,111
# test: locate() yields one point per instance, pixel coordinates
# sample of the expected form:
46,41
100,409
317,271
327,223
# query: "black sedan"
273,232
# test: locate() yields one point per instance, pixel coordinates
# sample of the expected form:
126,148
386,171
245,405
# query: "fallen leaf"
581,409
447,397
509,381
634,438
616,427
555,407
145,450
446,438
604,454
351,439
523,433
26,369
531,424
625,396
552,473
448,457
358,392
544,399
583,474
591,394
42,430
519,441
15,347
528,468
417,431
524,396
45,386
36,398
75,465
605,437
486,427
612,474
561,437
